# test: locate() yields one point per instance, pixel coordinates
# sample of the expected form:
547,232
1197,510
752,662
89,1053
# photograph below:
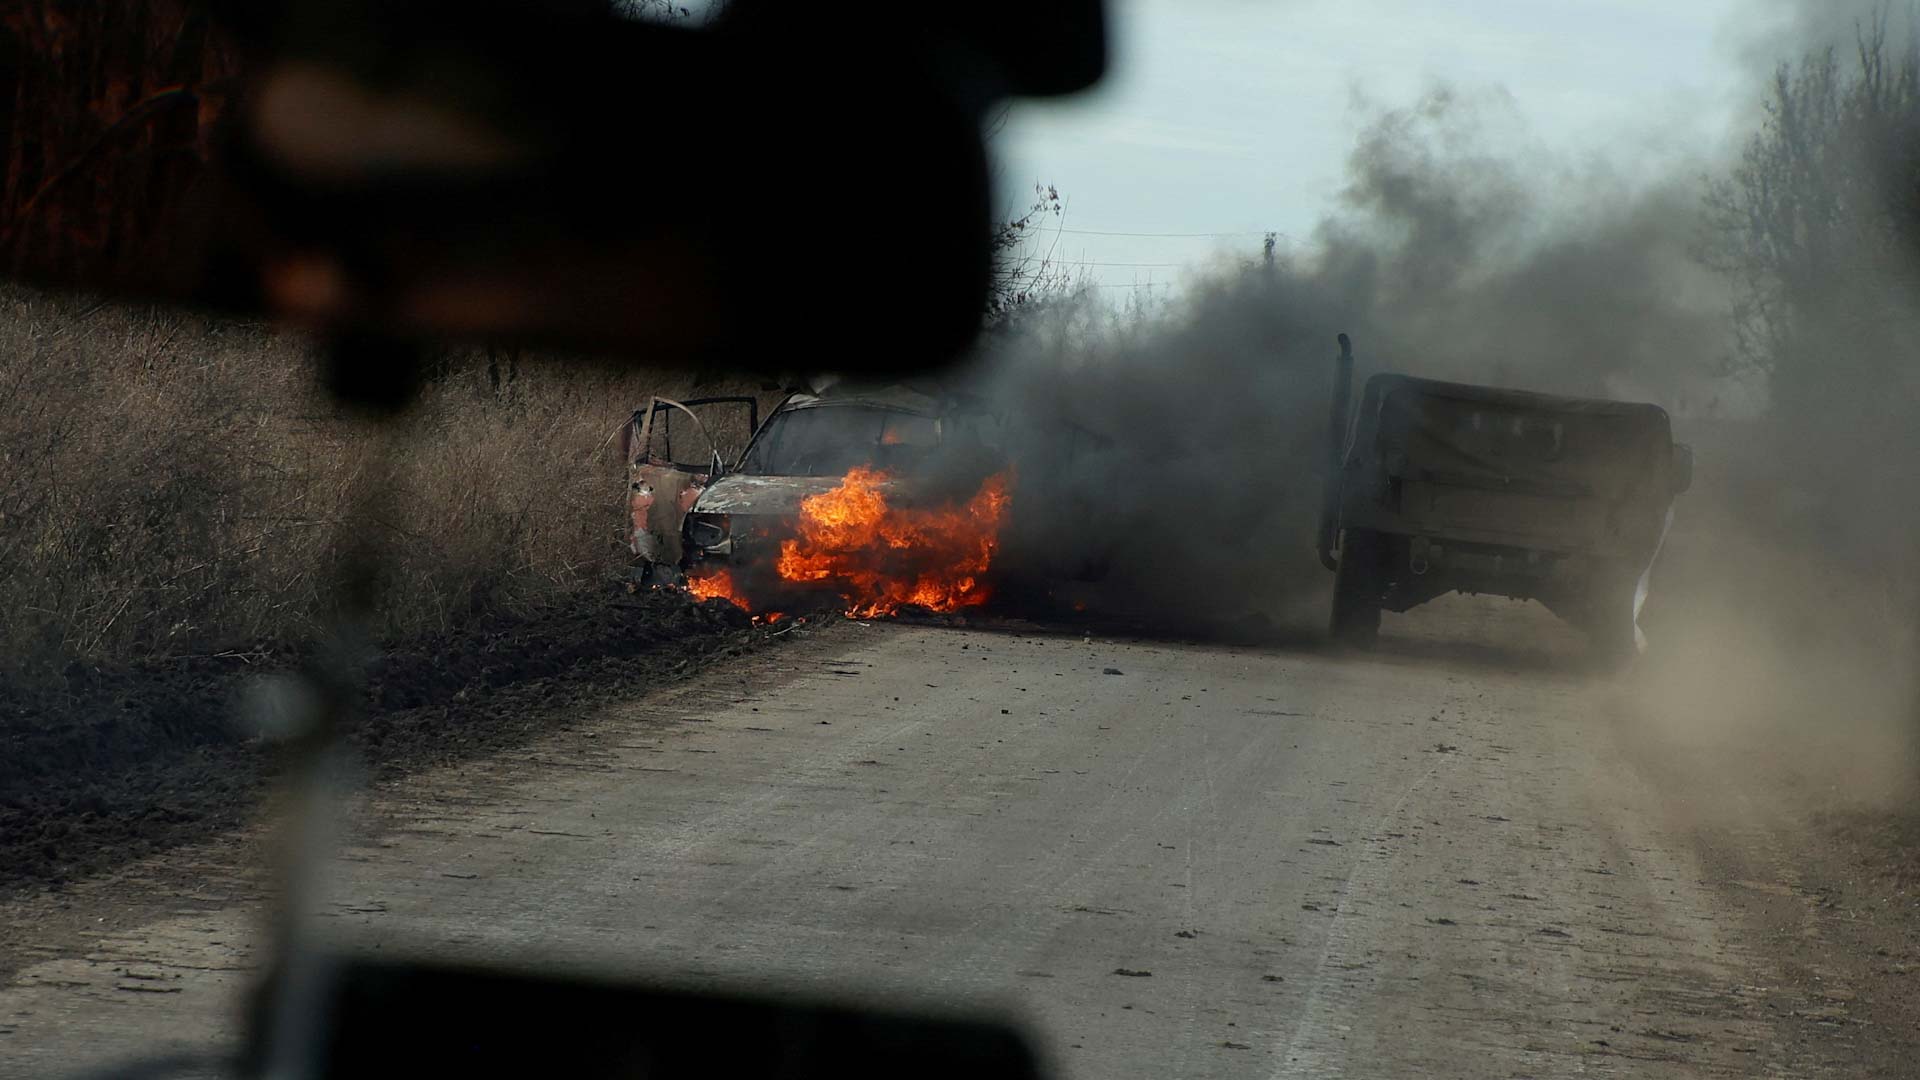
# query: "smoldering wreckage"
877,499
890,500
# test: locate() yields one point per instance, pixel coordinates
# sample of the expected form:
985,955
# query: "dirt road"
1172,859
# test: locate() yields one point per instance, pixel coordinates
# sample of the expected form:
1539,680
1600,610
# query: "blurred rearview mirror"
691,193
363,1017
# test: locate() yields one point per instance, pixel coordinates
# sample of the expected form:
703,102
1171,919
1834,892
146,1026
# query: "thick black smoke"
1453,254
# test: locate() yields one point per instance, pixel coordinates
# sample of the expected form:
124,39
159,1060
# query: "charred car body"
1439,487
668,470
694,509
926,449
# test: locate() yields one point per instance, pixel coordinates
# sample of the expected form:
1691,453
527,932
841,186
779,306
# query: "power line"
1072,262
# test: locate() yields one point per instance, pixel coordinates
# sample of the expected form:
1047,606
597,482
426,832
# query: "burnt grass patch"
99,766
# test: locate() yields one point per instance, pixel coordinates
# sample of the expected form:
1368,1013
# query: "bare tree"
1816,226
1818,231
1022,270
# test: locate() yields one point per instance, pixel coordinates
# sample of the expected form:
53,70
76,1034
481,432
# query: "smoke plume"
1453,254
1766,300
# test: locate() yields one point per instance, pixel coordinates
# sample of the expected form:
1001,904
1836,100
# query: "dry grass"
172,485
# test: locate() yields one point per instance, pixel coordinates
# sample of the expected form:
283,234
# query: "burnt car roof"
751,493
896,398
1386,382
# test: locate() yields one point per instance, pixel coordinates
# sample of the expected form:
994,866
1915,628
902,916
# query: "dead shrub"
172,485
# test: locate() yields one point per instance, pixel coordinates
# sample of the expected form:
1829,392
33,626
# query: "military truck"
1437,487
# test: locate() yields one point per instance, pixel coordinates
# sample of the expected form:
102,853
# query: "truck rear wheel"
1609,618
1357,586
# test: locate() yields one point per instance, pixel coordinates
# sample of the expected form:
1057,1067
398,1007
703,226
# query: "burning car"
887,498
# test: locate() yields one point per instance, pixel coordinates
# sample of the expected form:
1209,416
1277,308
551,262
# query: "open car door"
673,450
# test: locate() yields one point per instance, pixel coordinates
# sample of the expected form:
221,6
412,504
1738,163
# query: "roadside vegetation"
176,486
176,496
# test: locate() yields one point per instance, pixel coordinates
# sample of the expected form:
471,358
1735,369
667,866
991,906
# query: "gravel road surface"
1170,859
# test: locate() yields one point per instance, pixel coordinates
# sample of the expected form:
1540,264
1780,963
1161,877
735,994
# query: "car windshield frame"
774,451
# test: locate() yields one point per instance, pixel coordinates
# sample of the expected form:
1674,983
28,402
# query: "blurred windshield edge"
548,174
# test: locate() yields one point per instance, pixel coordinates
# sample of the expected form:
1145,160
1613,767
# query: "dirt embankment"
109,764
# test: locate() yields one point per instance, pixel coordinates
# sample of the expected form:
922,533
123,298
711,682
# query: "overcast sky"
1235,116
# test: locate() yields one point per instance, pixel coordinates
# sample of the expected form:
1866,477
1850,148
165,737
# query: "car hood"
774,495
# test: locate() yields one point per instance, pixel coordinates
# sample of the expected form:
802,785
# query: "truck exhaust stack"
1337,423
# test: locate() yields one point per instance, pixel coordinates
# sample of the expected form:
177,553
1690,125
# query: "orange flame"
718,586
882,558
